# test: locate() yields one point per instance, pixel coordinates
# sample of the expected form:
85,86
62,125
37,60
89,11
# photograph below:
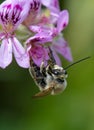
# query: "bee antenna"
77,62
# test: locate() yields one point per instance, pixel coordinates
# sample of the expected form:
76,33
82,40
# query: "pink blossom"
61,46
36,48
58,43
12,13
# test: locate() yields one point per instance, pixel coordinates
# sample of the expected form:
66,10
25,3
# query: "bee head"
60,76
58,72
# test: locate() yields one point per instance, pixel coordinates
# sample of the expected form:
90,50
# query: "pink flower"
12,13
58,44
36,48
61,46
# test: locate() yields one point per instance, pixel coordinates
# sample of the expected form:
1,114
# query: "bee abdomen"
42,83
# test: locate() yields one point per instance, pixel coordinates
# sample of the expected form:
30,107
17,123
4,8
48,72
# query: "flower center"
10,16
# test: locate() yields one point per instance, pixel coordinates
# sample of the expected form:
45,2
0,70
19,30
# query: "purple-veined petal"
12,13
35,5
35,8
62,20
40,38
44,37
5,53
20,54
21,11
62,47
5,8
41,30
44,32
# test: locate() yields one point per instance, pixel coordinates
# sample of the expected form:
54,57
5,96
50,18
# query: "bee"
51,79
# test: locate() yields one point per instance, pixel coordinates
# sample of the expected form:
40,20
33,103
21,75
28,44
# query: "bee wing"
43,93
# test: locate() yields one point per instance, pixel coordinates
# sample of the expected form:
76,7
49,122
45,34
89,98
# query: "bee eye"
56,71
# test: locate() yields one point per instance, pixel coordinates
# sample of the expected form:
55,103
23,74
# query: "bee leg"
37,75
43,69
51,61
34,70
38,78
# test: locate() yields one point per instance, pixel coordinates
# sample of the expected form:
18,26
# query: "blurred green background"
71,110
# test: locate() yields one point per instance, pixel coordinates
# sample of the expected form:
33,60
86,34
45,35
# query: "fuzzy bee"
50,79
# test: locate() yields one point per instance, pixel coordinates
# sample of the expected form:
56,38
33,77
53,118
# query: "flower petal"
62,20
20,54
35,8
5,53
39,54
42,37
2,35
13,12
53,6
51,3
46,2
20,10
35,28
62,47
